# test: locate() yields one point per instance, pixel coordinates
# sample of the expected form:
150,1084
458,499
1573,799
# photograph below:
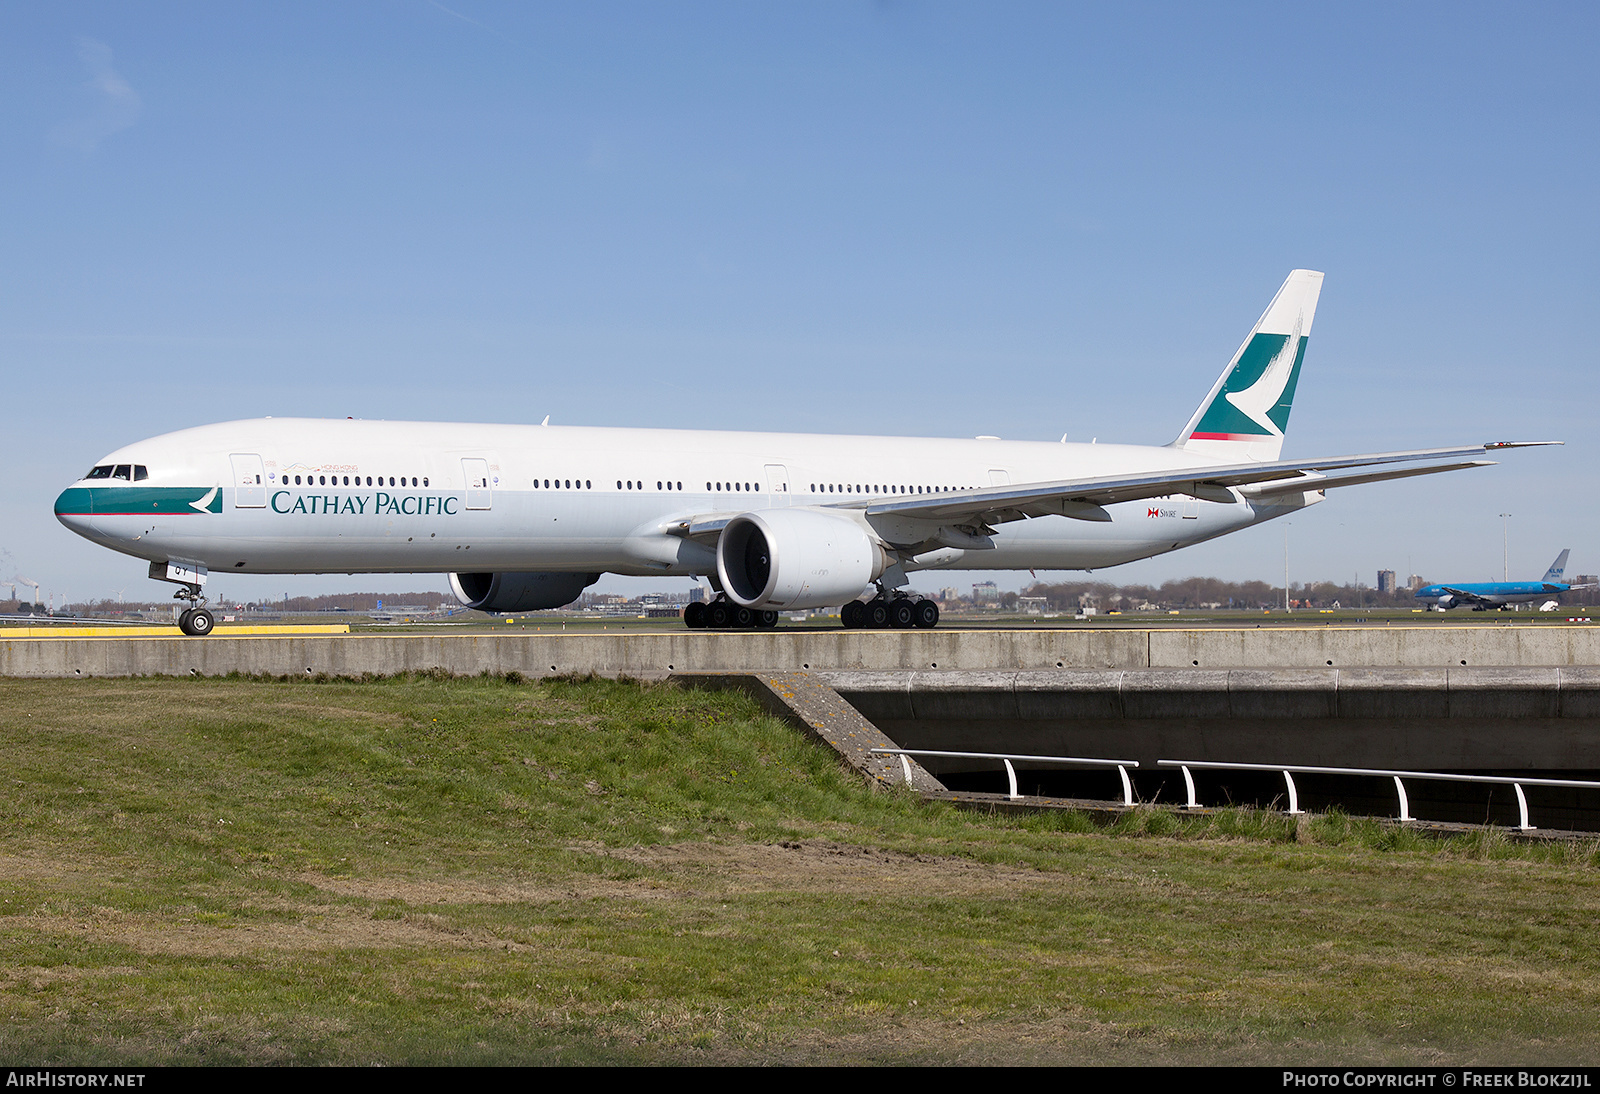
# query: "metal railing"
1289,770
1011,772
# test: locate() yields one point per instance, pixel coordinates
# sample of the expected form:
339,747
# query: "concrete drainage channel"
1539,723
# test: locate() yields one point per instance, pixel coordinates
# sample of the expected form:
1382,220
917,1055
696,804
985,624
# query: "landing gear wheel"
694,615
902,614
852,615
767,620
742,617
197,623
183,619
717,615
927,614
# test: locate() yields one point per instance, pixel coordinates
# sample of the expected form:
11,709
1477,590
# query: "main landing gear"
723,614
195,620
883,611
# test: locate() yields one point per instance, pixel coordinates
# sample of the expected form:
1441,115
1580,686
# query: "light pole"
1285,565
1505,549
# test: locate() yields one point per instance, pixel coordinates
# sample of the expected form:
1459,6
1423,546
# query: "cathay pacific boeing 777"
525,517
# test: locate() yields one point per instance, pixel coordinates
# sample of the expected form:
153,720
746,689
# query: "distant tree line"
1210,592
1063,596
350,602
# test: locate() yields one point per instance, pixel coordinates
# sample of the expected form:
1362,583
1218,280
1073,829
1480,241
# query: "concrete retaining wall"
656,655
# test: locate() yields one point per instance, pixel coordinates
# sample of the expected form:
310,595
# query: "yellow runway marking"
164,632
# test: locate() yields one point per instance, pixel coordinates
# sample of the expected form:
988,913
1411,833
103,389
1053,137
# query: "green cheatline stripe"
134,500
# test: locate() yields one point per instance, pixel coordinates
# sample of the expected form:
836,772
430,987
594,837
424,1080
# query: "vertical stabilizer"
1557,571
1247,410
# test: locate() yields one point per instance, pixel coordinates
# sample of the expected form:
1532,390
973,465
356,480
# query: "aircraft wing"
705,528
1085,498
1328,482
1462,594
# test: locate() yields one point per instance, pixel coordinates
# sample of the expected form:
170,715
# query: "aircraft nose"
74,510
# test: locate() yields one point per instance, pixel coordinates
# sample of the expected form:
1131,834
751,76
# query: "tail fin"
1247,410
1558,567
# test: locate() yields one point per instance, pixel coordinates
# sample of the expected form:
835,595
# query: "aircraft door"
249,481
777,484
480,490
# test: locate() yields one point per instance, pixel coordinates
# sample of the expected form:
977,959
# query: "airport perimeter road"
659,654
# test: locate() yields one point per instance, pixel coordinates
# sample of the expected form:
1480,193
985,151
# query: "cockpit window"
140,472
123,471
101,472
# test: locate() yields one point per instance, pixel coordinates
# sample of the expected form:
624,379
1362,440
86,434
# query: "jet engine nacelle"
519,592
796,558
1446,602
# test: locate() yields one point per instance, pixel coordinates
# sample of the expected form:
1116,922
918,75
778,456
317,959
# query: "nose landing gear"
195,620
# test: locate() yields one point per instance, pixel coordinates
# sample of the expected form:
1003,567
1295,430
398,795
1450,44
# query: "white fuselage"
325,496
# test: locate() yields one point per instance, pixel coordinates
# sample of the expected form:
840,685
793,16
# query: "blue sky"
904,218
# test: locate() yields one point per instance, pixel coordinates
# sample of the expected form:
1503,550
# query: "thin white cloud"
114,104
468,19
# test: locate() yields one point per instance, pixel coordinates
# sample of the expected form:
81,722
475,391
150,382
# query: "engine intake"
796,558
519,592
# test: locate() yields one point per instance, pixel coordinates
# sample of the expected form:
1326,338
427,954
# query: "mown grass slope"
479,871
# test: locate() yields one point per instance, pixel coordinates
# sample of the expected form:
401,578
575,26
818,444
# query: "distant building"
986,592
1386,582
1415,582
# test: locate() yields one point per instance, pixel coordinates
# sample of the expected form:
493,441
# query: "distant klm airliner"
1483,595
525,517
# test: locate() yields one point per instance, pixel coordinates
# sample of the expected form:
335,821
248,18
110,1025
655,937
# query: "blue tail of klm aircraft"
1558,568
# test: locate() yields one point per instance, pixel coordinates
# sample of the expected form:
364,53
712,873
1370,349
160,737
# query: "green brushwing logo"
1256,397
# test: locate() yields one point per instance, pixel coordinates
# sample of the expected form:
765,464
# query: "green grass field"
424,870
